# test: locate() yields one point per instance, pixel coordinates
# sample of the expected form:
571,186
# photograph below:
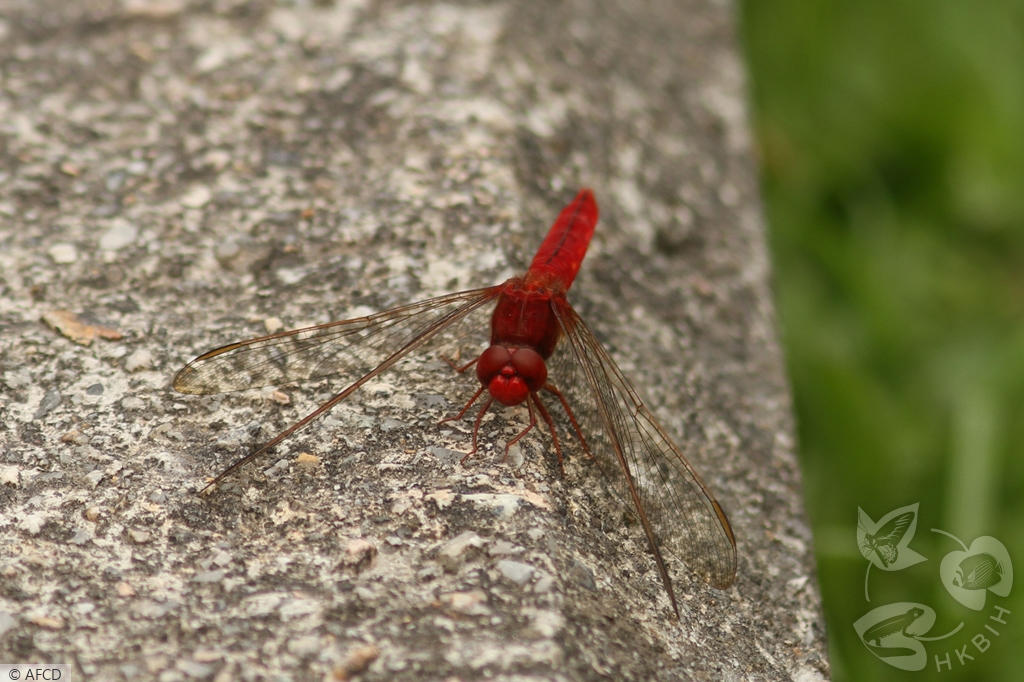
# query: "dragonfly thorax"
511,374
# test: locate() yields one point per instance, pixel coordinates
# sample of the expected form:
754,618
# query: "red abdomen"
560,254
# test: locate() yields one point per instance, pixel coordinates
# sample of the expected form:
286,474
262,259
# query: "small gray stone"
455,551
7,622
63,253
139,359
305,646
545,582
209,576
197,196
119,235
32,523
516,571
195,668
140,536
81,537
50,400
505,548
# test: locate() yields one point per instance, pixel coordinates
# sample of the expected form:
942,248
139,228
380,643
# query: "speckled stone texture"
177,174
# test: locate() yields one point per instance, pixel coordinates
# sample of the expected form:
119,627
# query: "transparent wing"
347,348
356,350
680,517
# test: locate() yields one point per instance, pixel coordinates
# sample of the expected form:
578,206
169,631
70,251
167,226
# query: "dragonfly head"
511,374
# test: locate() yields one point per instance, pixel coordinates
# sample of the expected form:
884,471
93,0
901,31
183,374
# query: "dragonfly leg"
551,427
476,423
461,368
551,388
465,408
533,422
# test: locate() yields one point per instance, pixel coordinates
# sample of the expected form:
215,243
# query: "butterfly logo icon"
885,543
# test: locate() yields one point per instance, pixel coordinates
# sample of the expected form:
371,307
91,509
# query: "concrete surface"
177,174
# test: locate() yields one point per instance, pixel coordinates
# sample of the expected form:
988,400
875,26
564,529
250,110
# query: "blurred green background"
891,137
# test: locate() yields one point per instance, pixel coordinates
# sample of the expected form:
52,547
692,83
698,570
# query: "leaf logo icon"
983,567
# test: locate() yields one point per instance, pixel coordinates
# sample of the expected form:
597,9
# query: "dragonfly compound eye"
511,373
530,366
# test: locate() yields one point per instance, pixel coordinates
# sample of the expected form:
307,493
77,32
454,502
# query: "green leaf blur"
891,137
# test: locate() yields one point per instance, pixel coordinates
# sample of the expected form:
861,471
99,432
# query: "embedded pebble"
505,548
121,234
503,504
226,250
7,622
197,197
63,253
290,276
9,475
139,359
50,400
471,602
115,180
81,537
357,660
359,553
446,456
450,555
139,536
301,606
263,604
222,558
133,403
32,523
48,622
305,646
442,498
209,577
195,669
516,571
147,608
544,583
548,623
582,575
388,424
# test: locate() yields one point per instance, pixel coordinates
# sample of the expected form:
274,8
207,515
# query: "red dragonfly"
532,317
